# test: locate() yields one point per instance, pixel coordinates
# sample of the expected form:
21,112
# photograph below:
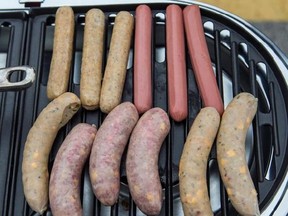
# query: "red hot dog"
177,79
200,59
142,59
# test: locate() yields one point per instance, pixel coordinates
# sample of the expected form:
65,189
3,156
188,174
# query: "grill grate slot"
257,138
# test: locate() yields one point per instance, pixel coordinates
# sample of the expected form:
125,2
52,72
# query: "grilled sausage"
193,163
200,59
142,59
232,163
38,145
142,160
91,67
65,180
116,67
177,79
62,53
108,147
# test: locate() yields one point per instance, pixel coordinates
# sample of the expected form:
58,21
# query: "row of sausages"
230,134
107,93
146,135
106,145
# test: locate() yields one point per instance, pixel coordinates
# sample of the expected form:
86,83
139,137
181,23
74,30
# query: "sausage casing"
39,142
91,67
200,59
107,150
65,179
177,79
62,53
142,160
193,163
116,67
142,59
233,167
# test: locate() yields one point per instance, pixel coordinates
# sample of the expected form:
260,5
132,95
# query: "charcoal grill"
243,60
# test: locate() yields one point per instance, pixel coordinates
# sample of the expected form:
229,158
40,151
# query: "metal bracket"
30,1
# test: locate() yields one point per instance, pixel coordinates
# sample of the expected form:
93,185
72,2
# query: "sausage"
142,160
115,70
142,59
231,159
91,67
65,180
200,59
109,144
38,145
62,53
177,79
193,163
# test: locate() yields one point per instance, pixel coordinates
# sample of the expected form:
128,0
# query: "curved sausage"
65,180
39,142
91,67
116,67
231,158
107,150
142,59
193,163
200,59
142,160
177,79
62,53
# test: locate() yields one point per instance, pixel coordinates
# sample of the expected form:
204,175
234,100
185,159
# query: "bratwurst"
142,160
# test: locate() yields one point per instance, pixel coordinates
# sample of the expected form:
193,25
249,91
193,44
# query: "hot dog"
91,67
115,71
39,142
200,59
177,79
62,53
142,59
107,150
193,163
142,160
65,180
231,158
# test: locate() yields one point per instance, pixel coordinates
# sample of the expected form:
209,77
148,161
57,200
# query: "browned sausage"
193,163
177,79
62,52
200,59
142,160
65,180
231,158
91,67
108,147
39,142
142,59
116,67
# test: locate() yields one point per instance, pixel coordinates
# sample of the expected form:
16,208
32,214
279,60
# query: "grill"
243,60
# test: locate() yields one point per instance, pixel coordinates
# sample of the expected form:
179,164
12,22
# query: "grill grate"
240,61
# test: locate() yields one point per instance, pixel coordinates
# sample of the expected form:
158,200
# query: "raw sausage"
62,53
200,59
38,145
107,150
177,79
142,160
116,67
231,158
65,180
193,163
91,67
142,59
